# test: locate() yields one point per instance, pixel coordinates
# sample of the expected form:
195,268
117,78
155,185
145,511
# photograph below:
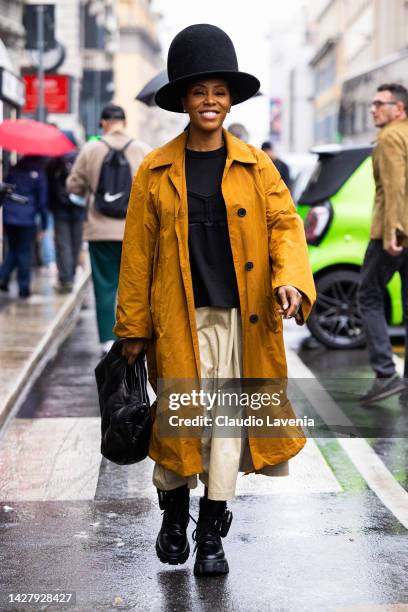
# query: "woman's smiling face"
207,102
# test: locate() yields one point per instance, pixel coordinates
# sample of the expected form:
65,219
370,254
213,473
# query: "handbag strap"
141,378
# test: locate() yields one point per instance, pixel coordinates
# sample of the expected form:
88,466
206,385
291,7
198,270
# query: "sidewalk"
31,331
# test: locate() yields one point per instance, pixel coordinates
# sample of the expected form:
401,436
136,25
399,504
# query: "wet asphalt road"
73,522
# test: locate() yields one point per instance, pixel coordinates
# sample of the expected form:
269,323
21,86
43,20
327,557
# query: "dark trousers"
68,241
377,270
105,264
20,240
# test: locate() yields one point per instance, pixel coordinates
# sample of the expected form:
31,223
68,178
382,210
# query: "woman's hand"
132,347
290,302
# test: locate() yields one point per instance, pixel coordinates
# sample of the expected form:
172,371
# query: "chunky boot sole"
172,558
212,567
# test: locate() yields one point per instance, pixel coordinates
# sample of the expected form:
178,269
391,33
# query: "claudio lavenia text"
223,420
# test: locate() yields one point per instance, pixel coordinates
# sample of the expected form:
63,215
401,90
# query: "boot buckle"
226,523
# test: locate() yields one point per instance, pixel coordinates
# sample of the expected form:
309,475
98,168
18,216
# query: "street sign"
11,88
57,90
31,25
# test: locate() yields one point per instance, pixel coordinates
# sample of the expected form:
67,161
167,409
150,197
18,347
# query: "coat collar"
172,153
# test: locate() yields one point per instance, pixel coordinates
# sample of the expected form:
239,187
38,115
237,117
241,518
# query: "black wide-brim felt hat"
199,51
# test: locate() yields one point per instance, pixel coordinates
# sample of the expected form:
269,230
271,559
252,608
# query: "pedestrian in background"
46,247
387,251
239,131
200,293
103,232
68,218
20,220
281,166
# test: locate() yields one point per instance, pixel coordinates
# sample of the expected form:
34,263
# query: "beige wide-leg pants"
220,343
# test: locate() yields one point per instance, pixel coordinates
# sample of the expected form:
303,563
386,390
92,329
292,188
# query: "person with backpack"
68,218
103,173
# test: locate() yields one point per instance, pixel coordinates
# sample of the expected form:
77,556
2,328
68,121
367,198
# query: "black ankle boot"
213,524
172,544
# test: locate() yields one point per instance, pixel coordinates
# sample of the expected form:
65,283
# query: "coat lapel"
172,154
237,151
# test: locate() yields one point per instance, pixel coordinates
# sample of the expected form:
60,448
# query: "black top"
212,267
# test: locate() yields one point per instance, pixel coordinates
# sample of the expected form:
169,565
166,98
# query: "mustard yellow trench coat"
155,297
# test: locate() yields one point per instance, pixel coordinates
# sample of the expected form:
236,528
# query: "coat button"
241,212
249,265
253,318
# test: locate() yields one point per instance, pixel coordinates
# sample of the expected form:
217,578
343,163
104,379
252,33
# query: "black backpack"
114,184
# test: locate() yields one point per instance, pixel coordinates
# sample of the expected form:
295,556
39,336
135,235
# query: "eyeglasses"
378,104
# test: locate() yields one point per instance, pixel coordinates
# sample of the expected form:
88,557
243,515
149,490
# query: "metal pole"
40,71
98,96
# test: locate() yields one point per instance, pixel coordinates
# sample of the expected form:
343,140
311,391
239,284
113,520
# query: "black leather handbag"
126,421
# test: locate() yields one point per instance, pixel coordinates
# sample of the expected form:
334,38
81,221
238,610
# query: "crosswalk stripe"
308,473
364,458
50,459
58,459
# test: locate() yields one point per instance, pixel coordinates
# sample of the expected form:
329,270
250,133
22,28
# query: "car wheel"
335,320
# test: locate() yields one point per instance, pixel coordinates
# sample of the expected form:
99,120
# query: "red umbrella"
33,138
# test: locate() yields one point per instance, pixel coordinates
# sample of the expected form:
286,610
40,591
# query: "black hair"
265,146
399,92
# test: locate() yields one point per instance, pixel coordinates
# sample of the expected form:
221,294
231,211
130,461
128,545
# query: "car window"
331,172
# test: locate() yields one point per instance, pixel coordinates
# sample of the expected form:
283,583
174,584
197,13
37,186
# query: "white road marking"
372,607
367,462
50,459
308,473
399,365
59,459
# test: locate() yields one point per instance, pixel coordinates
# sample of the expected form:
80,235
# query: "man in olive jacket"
387,250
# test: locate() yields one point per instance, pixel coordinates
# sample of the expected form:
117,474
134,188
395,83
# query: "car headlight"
317,222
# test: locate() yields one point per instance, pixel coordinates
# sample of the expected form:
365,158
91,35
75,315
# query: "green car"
336,208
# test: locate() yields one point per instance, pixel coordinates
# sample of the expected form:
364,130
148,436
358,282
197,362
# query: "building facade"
12,37
137,60
358,44
12,93
12,96
99,43
79,66
297,108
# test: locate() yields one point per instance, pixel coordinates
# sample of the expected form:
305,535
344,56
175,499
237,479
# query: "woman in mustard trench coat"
205,297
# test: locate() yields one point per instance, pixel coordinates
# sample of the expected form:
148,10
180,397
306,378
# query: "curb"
60,327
